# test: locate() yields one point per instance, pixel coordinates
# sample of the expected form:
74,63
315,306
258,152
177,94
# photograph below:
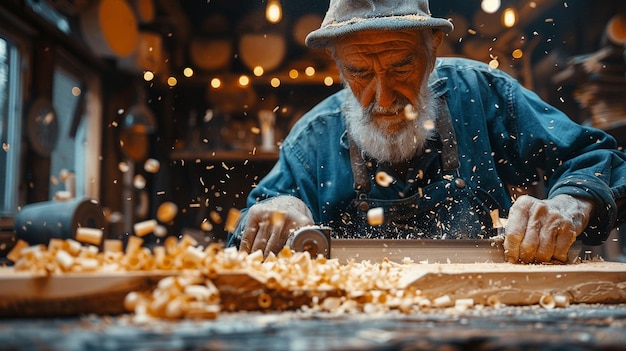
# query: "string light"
216,83
244,80
258,71
148,76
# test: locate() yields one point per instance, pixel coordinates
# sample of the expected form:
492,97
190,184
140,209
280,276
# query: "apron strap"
359,170
449,153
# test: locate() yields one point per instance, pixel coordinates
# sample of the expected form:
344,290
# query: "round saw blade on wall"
42,126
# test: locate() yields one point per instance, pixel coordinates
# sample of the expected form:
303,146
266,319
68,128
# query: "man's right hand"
269,223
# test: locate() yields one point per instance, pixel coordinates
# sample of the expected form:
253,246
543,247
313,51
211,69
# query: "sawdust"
355,20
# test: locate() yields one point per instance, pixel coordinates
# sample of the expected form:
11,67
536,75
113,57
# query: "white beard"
383,146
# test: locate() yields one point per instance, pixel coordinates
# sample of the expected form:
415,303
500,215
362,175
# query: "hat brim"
320,38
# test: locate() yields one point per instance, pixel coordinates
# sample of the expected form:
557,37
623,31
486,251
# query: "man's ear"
437,39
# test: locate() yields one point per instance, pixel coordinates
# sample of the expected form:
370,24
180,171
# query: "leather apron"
446,207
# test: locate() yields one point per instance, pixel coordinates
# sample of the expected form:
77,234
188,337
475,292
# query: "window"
75,160
10,127
76,100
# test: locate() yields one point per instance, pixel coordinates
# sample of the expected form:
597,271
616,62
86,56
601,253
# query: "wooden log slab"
243,292
25,294
592,282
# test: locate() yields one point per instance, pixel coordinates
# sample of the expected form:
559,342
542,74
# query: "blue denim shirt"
507,136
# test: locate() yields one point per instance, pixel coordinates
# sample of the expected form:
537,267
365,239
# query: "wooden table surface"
95,320
579,327
24,294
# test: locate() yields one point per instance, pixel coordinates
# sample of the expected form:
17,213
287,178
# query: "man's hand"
270,223
543,230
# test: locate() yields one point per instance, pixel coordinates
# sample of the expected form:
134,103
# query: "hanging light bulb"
273,11
509,17
490,6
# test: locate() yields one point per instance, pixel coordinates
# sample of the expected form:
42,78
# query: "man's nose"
385,95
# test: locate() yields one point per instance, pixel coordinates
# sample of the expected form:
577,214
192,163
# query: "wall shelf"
203,79
224,155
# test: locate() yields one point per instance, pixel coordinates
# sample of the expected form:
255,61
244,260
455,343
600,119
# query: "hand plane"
318,240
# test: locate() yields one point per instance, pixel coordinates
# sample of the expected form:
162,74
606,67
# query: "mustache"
397,107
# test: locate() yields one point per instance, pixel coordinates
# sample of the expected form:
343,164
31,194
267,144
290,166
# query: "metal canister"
37,223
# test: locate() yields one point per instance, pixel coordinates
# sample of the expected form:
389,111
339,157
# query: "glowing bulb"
328,81
273,11
293,74
490,6
258,71
188,72
171,81
493,64
275,82
244,80
509,17
309,71
76,91
517,53
148,76
216,83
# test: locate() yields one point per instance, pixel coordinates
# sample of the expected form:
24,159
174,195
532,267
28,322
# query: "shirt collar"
437,85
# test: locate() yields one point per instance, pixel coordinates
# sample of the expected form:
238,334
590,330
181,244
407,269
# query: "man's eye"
403,72
360,75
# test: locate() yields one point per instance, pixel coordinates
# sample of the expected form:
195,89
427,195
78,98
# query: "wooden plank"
590,282
24,294
422,251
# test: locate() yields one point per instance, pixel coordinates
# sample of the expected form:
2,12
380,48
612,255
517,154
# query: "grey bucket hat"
349,16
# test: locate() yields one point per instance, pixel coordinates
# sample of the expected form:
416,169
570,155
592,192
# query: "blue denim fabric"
507,136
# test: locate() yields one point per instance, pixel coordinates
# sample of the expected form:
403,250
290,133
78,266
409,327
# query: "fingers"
547,242
269,223
534,230
250,231
538,232
555,239
511,245
516,228
268,233
277,239
262,236
564,241
529,245
247,238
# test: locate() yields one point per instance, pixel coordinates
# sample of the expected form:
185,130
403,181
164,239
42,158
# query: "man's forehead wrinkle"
393,47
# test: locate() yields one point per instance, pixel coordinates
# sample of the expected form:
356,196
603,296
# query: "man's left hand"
543,230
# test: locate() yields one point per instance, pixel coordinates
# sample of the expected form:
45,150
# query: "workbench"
294,302
577,327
